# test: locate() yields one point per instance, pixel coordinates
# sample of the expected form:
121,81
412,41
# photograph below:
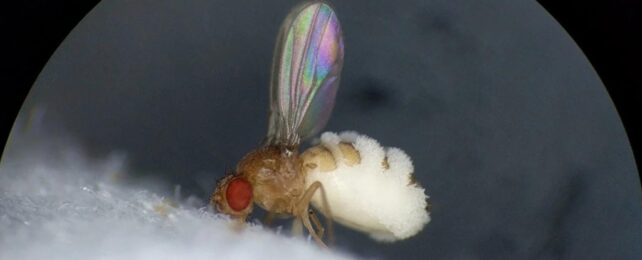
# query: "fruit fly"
306,69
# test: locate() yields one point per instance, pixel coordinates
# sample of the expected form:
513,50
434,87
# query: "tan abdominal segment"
350,155
318,156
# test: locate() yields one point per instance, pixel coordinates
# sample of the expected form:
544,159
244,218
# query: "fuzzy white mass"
57,204
383,202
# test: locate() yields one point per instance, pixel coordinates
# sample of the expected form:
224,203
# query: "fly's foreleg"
302,212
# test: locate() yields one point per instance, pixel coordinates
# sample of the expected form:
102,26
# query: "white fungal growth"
57,203
368,187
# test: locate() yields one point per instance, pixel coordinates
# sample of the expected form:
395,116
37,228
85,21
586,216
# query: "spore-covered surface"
55,203
508,126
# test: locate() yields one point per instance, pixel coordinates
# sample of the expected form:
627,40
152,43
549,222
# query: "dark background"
505,182
608,33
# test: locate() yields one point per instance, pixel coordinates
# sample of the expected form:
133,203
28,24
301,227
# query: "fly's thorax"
275,174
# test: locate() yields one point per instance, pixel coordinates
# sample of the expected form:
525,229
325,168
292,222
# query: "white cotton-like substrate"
57,204
381,202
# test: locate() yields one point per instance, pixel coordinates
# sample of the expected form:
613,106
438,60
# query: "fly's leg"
303,213
328,216
297,227
316,223
238,224
313,233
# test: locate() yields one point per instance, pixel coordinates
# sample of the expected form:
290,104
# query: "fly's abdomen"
369,188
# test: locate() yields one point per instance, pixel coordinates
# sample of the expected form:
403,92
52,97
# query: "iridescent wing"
305,73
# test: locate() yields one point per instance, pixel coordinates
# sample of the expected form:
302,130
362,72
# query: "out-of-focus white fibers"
57,204
371,196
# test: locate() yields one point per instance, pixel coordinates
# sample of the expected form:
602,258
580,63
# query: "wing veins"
307,99
300,70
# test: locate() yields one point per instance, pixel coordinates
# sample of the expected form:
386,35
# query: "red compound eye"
238,194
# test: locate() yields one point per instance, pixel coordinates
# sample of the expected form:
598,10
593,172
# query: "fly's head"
233,196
